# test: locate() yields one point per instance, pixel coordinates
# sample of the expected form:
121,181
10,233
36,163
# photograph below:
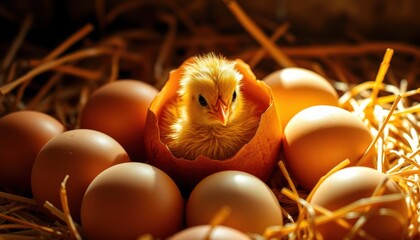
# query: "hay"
60,81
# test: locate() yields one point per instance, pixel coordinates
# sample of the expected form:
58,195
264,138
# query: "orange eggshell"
82,154
129,200
119,109
295,89
22,135
258,157
217,233
352,184
320,137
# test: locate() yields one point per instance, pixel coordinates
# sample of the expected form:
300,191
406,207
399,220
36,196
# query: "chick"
211,116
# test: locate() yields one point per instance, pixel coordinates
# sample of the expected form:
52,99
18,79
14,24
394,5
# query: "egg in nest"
257,155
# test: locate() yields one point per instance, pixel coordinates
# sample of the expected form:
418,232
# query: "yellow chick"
211,117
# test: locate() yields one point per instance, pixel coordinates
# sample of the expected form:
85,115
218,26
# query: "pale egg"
320,137
253,204
210,233
385,220
295,89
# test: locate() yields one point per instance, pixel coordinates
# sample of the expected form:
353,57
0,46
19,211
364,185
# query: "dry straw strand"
258,34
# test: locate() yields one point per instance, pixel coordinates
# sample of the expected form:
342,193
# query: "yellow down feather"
192,125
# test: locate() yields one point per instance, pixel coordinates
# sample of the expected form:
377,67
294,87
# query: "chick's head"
210,90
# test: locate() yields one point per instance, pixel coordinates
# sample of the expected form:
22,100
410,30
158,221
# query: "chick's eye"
202,101
234,96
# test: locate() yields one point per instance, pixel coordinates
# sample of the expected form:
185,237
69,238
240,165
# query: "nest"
59,80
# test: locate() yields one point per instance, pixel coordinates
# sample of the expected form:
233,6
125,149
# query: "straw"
60,80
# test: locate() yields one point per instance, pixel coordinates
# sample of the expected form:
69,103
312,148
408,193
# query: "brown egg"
129,200
82,154
355,183
217,233
295,89
258,157
320,137
119,109
22,136
254,206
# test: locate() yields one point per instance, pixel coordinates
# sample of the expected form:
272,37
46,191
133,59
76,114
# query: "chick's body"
211,117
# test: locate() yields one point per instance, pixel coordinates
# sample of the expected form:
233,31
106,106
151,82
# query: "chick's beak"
221,111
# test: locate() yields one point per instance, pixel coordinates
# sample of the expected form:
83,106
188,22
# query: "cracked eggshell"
258,157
